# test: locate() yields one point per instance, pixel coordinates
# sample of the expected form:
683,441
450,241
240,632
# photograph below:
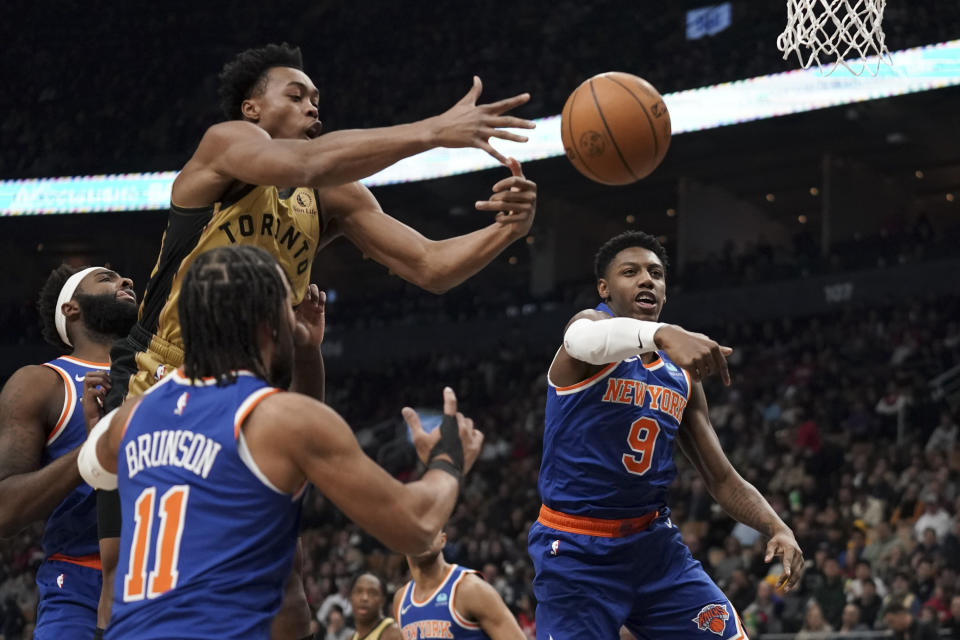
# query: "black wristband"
98,634
443,465
449,442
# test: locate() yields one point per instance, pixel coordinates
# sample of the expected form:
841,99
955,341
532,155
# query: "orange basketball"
615,128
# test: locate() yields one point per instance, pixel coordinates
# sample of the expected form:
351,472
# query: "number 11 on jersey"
163,577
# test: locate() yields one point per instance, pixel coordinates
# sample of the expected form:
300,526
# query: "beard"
106,316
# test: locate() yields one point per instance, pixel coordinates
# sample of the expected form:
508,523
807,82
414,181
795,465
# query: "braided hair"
226,295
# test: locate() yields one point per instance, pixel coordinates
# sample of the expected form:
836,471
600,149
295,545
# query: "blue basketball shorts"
69,594
589,586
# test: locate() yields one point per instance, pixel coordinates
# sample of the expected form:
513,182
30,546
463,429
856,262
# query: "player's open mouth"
646,301
315,129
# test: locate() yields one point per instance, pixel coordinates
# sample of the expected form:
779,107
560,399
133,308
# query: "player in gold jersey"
267,177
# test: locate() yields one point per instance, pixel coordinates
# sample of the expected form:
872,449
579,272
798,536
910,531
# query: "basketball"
615,128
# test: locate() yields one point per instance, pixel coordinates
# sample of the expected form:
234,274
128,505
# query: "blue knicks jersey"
71,529
436,616
207,541
608,440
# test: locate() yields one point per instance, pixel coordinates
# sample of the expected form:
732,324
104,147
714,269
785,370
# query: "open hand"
467,124
785,546
470,438
311,318
514,199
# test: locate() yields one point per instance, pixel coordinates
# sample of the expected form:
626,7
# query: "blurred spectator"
901,621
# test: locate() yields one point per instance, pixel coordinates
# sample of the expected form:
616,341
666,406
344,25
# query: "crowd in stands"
831,417
94,68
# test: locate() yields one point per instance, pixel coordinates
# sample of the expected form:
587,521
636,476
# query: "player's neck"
364,628
427,578
92,350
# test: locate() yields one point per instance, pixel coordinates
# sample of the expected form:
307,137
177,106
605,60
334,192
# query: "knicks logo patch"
713,617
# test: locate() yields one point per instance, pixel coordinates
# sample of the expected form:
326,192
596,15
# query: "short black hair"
625,240
47,304
246,74
356,578
226,295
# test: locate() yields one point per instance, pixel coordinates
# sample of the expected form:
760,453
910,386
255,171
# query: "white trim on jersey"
69,403
247,458
454,615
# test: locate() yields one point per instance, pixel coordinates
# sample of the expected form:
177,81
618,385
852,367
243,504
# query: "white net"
831,33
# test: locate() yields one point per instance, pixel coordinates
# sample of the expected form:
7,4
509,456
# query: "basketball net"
836,32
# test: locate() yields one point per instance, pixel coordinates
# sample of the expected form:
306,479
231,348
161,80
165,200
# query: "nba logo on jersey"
555,547
181,403
713,617
60,581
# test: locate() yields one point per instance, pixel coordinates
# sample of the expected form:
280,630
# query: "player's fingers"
471,96
413,421
721,363
449,402
509,122
514,165
514,196
499,157
502,106
503,134
513,217
726,351
771,551
322,300
515,182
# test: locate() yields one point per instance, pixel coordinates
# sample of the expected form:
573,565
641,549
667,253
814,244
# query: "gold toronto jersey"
377,631
285,222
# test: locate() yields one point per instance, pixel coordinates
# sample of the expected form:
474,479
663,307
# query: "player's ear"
250,110
71,310
603,289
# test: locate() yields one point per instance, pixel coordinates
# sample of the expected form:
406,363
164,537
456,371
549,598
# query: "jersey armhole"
69,402
454,614
243,450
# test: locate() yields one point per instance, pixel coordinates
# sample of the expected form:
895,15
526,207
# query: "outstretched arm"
309,374
240,151
292,437
434,265
477,601
29,491
739,498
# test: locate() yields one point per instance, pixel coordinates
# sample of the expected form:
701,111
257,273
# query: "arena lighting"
920,69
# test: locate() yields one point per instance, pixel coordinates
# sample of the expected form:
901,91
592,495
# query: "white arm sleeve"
609,340
90,468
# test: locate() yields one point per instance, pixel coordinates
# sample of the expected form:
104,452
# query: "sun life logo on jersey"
442,598
303,202
60,581
713,617
181,403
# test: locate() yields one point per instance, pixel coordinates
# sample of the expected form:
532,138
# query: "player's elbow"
582,342
10,523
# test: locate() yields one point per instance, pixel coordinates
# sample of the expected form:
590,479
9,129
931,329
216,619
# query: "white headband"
66,295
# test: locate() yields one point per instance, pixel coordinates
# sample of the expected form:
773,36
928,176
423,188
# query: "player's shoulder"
231,130
588,314
33,381
291,412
